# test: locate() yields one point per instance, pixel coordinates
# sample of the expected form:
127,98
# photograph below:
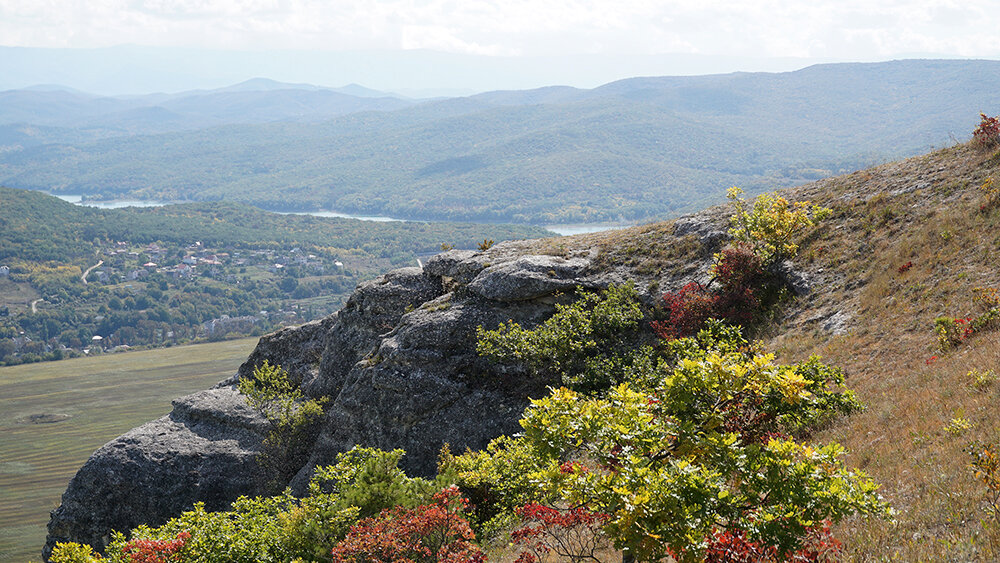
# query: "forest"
632,150
176,274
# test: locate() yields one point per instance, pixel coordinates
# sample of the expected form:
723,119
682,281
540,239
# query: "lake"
563,230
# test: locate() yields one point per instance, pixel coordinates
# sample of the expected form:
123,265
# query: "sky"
843,29
795,30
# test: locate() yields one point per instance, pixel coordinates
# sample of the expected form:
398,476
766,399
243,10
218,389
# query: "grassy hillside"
633,149
911,244
88,401
908,242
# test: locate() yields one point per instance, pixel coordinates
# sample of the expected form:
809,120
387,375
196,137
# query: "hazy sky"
828,29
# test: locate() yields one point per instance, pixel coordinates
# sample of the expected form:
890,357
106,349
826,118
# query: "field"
53,415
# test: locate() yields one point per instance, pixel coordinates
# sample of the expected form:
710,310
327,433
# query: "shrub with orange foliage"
432,533
156,551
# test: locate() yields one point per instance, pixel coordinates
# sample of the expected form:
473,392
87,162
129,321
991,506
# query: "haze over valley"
629,151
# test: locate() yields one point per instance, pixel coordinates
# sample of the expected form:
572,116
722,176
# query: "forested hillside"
630,150
168,275
55,114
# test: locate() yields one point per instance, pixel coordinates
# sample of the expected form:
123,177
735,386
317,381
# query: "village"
156,294
125,262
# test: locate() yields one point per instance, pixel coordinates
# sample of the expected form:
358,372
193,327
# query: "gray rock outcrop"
397,364
197,453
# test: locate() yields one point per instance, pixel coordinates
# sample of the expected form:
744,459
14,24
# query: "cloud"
842,29
442,38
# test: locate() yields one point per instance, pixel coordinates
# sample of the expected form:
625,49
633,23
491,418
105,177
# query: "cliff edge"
397,364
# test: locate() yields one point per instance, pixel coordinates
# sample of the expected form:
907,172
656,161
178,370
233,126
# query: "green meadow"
53,415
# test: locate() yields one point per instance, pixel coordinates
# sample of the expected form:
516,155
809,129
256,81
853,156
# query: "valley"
53,415
79,280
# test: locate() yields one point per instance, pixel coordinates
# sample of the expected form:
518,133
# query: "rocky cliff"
906,243
398,364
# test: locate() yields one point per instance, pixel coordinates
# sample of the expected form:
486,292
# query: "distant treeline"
635,149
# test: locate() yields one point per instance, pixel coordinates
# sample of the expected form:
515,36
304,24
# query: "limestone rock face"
424,385
202,451
528,278
296,349
397,364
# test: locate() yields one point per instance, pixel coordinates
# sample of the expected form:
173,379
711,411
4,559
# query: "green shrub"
371,480
72,552
770,225
704,452
315,525
497,481
981,380
294,423
250,531
587,345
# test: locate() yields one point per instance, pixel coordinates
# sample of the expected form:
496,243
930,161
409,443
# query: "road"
83,278
34,305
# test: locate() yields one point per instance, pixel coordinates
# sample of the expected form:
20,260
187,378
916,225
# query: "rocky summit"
398,365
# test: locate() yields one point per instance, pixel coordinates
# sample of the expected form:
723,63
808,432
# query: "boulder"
529,277
203,451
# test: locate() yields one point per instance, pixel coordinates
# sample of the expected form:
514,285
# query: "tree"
293,418
589,345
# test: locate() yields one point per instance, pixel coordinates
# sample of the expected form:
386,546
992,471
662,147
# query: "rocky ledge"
198,452
399,368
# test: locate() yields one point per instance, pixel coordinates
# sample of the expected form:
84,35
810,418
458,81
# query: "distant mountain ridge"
630,150
258,100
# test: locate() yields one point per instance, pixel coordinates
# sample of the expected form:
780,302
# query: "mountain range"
630,150
257,100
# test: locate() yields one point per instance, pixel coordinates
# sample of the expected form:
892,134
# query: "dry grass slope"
876,322
924,211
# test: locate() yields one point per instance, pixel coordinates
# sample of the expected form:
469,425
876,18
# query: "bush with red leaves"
987,134
573,534
433,533
735,547
156,551
687,310
738,273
